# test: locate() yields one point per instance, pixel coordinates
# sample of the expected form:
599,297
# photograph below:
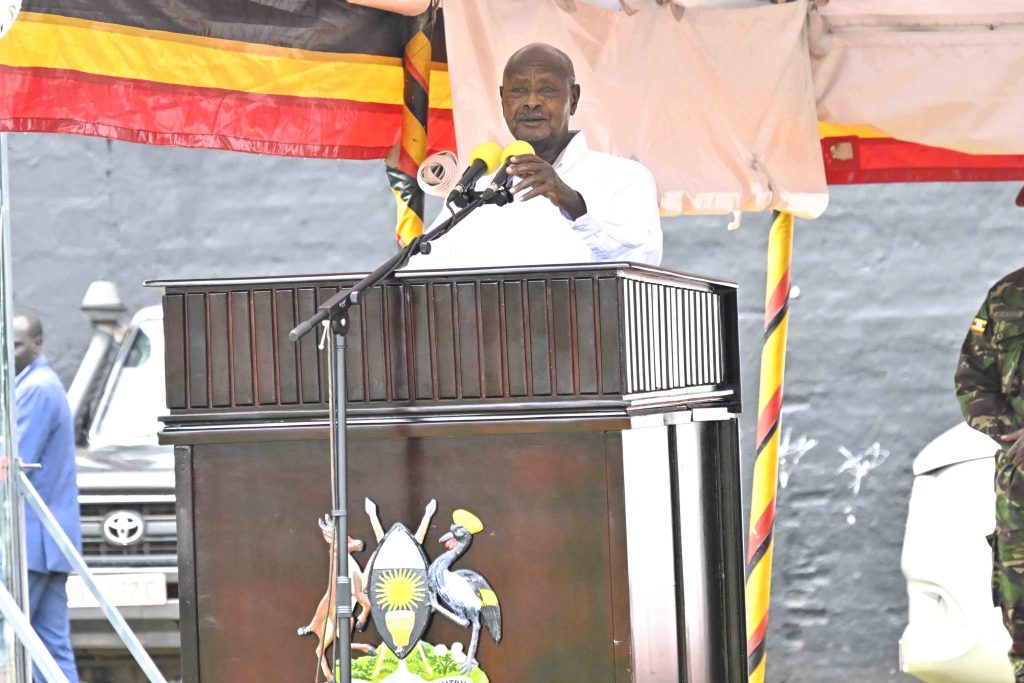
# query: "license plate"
121,590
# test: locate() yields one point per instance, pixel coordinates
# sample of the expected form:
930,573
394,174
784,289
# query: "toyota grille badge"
123,527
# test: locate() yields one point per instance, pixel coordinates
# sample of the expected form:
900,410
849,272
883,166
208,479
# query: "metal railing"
27,635
112,614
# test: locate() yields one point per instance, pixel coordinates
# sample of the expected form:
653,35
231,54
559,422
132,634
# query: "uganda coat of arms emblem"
401,590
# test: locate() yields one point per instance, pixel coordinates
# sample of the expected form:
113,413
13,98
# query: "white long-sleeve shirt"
621,222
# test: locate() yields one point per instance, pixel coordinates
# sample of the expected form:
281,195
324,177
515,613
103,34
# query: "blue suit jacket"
46,435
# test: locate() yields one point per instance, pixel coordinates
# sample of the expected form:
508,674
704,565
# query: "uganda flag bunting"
863,154
310,78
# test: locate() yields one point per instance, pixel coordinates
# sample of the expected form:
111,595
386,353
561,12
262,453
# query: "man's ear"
501,93
574,98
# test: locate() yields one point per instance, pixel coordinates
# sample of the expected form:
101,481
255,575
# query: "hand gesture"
538,178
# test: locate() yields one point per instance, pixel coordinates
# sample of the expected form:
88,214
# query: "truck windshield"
133,399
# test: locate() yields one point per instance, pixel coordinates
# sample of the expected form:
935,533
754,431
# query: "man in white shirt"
572,204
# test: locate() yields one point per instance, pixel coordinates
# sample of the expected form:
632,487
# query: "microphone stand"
335,312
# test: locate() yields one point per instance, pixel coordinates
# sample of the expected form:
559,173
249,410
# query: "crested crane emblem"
463,595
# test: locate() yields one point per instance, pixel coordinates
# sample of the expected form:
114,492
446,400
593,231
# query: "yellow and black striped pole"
413,146
766,465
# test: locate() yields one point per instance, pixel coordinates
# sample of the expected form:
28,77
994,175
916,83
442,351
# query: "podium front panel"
558,405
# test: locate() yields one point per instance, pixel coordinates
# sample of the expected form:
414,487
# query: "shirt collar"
573,152
39,362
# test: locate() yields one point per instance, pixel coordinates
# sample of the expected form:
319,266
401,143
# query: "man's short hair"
570,70
35,326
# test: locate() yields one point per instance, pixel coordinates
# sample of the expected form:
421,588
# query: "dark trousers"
48,606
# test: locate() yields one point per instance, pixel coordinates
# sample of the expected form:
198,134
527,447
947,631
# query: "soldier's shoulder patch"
979,325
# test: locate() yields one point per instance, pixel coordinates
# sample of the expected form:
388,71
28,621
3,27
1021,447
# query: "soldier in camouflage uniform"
990,388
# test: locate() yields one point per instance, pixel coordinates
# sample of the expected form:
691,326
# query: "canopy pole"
766,464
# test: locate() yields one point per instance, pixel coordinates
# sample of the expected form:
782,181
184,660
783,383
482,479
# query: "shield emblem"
397,589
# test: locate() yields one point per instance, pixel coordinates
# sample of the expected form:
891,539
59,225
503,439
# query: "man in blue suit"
46,436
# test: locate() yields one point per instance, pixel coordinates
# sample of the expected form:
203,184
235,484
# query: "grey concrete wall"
888,282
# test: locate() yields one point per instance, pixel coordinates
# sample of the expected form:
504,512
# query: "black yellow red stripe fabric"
291,77
760,542
861,154
413,148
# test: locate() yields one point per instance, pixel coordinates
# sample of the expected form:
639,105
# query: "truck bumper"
156,627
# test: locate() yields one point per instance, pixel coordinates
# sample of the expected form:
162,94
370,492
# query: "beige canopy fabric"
631,6
944,73
718,103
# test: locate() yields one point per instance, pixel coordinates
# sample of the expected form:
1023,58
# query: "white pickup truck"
126,493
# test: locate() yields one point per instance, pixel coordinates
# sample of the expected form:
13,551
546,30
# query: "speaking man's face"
537,101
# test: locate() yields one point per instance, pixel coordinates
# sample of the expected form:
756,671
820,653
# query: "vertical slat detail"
309,358
609,310
515,338
562,333
176,367
220,349
469,351
287,353
586,337
357,370
444,341
241,348
375,352
263,329
484,338
540,349
491,340
198,363
397,343
690,346
421,356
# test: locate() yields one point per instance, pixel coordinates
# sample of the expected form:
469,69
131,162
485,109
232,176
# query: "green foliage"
362,668
423,662
377,667
435,666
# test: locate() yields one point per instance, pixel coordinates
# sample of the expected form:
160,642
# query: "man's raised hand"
540,178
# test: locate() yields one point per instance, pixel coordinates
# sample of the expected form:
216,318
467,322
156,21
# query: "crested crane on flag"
285,77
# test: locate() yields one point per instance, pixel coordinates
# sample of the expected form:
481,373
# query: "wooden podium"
586,414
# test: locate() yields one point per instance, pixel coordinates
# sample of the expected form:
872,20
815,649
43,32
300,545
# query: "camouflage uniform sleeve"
978,381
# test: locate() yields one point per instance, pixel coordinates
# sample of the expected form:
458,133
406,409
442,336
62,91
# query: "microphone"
484,159
501,178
